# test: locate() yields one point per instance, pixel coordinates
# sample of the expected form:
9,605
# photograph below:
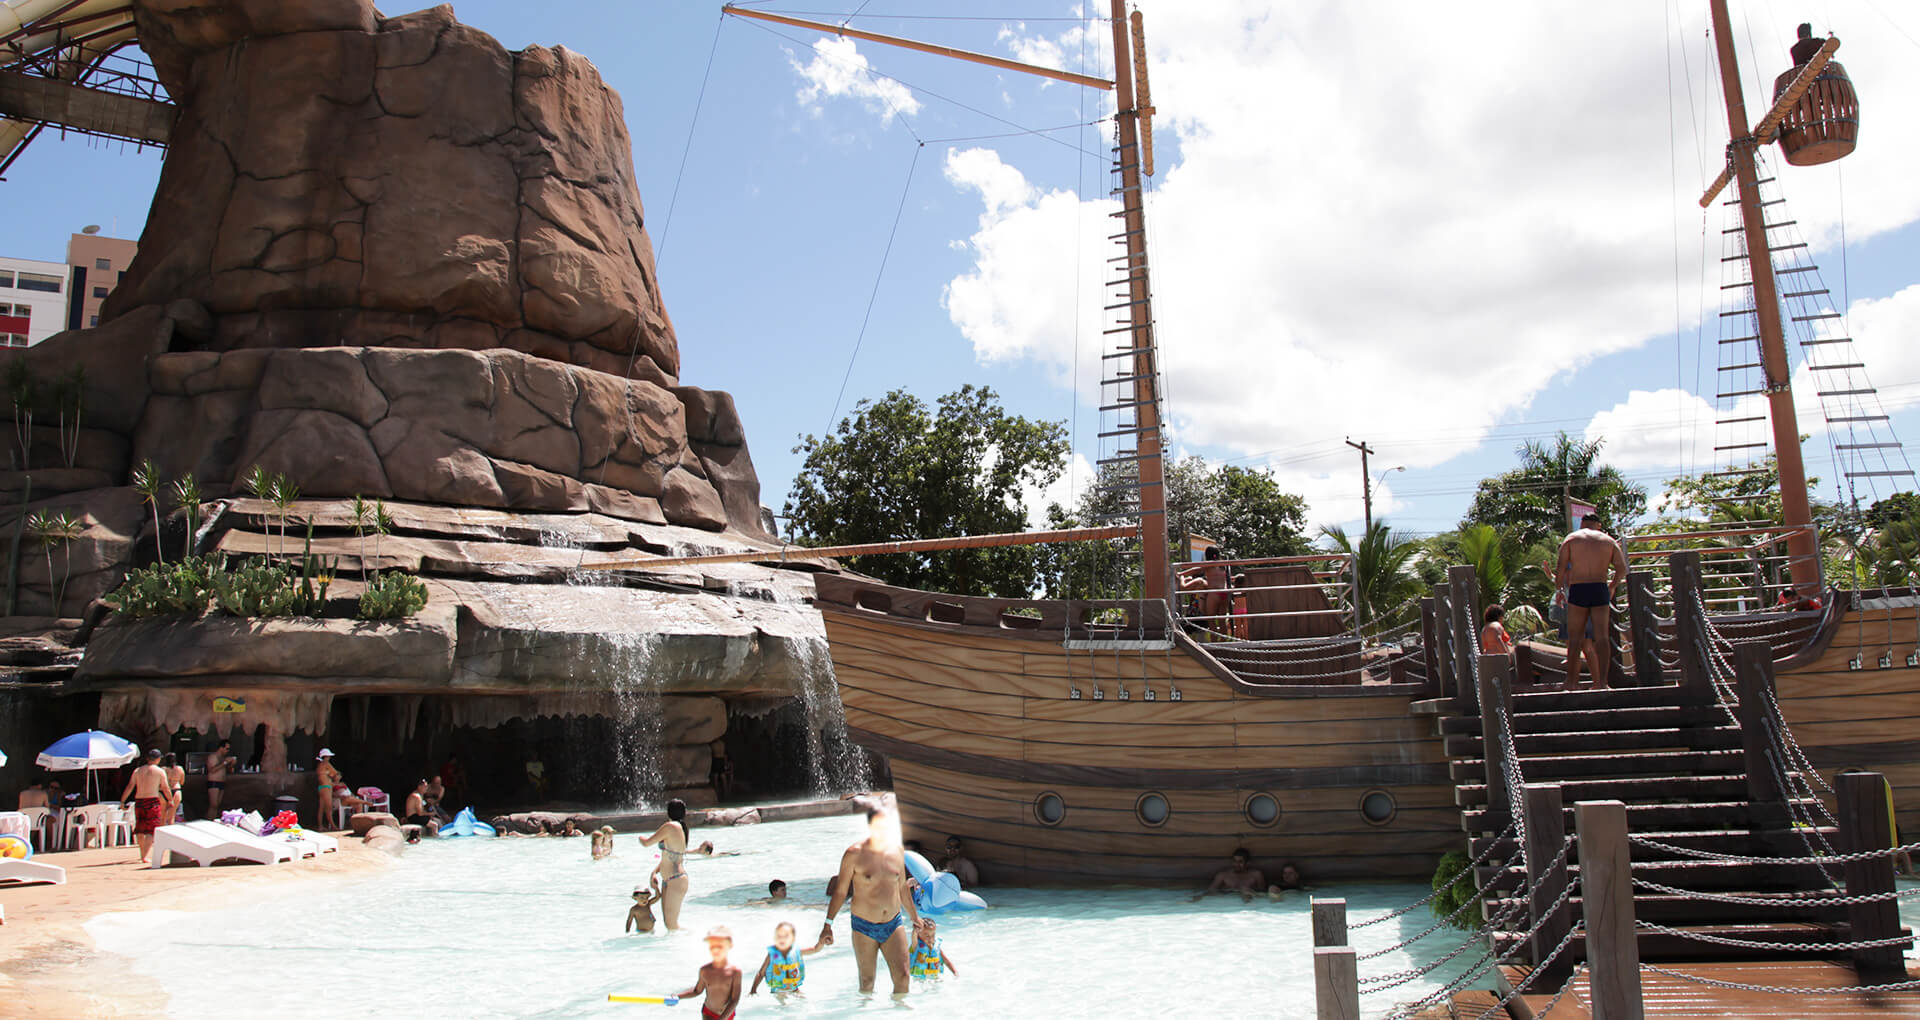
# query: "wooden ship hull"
975,708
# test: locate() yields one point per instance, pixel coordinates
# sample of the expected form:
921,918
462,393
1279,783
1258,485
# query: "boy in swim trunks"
641,916
719,979
1588,560
929,957
785,967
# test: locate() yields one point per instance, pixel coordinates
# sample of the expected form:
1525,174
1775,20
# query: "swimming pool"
532,928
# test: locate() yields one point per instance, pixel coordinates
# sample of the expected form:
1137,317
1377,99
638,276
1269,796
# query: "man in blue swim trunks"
873,881
1592,566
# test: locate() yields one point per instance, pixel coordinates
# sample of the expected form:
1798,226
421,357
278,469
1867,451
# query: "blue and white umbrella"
93,749
3,757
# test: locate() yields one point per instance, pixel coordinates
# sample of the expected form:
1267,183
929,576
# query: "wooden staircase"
1677,763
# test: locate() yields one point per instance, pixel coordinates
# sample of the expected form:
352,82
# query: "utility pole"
1366,482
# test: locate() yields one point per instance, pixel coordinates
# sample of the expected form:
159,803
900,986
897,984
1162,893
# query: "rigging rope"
879,274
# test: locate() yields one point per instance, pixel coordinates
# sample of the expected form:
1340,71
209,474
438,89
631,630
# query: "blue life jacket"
786,970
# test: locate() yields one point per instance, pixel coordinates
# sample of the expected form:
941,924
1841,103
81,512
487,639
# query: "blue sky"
1355,232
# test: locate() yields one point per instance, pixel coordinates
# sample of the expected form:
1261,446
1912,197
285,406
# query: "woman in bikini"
672,839
177,780
332,785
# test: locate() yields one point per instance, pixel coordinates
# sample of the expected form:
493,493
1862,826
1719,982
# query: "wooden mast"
1795,512
1146,396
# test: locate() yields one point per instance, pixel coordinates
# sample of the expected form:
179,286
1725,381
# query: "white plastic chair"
117,825
40,819
83,822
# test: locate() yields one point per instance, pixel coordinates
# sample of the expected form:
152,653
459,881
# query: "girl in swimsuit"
671,837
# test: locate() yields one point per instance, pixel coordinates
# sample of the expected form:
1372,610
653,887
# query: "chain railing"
1742,986
1482,858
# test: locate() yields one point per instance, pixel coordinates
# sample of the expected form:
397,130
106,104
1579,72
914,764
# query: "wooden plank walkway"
1676,997
1465,1006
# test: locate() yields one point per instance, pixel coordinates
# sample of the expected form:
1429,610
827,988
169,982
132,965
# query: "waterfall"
834,764
639,711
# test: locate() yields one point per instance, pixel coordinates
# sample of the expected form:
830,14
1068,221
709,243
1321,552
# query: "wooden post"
1462,591
1691,626
1753,681
1496,710
1865,826
1644,622
1757,579
1606,890
1336,983
1329,921
1430,650
1397,669
1546,836
1524,671
1443,640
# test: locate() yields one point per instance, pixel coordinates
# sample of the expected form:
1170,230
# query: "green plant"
391,596
148,483
255,588
316,576
1454,895
186,496
69,391
59,529
363,520
283,494
181,588
21,387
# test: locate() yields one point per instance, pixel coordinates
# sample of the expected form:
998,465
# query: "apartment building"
39,299
95,264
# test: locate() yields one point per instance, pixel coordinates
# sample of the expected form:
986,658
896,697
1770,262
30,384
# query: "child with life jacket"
928,955
785,967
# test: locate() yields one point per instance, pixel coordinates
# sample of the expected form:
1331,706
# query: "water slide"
80,34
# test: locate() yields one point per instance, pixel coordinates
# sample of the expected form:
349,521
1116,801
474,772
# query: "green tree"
1385,580
896,469
1526,504
1508,574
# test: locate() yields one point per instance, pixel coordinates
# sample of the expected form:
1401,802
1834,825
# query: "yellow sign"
224,704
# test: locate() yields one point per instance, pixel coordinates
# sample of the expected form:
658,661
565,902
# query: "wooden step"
1589,699
1541,768
1632,789
1689,738
1743,842
1652,817
1652,717
1656,947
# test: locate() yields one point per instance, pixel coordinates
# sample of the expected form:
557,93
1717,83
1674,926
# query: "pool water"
519,928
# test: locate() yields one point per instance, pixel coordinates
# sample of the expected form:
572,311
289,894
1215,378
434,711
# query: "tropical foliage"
392,595
1386,587
1527,504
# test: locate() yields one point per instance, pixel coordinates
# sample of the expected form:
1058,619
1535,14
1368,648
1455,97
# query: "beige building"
94,266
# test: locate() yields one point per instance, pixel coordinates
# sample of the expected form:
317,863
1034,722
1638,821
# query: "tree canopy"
1525,504
897,469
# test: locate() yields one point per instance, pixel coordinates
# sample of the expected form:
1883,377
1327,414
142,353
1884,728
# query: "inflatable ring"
15,848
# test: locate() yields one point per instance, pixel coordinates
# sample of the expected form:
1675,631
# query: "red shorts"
707,1014
149,813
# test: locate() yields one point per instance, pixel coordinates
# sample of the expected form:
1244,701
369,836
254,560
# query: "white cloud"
1384,220
1065,491
1067,52
838,69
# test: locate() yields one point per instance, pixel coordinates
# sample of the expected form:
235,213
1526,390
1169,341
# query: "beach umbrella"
90,750
3,758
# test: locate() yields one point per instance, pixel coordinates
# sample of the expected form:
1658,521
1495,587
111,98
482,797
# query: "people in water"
603,842
719,979
641,914
785,966
1239,876
776,896
959,864
1494,639
1289,881
671,837
568,830
929,956
873,882
1591,567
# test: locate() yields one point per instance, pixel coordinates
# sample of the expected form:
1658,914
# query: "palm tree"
186,496
60,529
1384,581
283,494
1526,505
363,522
148,483
1508,574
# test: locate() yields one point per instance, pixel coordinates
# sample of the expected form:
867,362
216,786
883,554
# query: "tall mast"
1146,394
1795,512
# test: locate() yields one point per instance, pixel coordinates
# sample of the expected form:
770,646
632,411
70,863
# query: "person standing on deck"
152,801
219,765
873,881
1592,565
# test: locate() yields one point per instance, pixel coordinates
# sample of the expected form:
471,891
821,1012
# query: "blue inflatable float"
939,891
464,824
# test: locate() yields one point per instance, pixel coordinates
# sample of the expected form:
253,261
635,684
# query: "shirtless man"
416,810
874,871
957,862
1587,559
1238,877
219,764
152,798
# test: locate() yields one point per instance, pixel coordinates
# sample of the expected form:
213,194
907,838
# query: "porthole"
1263,810
1152,809
1377,807
1049,808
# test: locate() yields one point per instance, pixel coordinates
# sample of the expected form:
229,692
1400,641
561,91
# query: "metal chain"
1430,897
1495,923
1739,986
1441,923
1493,959
1779,947
1565,986
1710,855
1779,901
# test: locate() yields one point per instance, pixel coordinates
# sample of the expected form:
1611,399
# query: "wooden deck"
1676,997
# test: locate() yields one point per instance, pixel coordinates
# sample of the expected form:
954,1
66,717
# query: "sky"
1439,231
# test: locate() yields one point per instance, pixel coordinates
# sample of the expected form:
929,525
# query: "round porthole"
1152,809
1263,810
1377,807
1049,808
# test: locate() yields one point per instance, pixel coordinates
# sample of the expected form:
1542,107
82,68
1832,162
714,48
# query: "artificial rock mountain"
389,257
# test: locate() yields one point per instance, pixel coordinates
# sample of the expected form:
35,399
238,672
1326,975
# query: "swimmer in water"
776,896
719,979
785,967
603,842
641,916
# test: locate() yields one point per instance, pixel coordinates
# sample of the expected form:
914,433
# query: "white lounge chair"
12,870
294,848
320,842
206,842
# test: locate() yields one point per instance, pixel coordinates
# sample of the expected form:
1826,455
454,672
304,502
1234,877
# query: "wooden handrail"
801,553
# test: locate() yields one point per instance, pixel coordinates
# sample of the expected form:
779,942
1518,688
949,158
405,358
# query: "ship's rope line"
880,273
916,17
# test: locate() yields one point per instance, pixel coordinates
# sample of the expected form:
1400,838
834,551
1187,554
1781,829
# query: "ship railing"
1330,574
1742,570
1105,620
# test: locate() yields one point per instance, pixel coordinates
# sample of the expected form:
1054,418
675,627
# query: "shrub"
1452,864
181,588
391,596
